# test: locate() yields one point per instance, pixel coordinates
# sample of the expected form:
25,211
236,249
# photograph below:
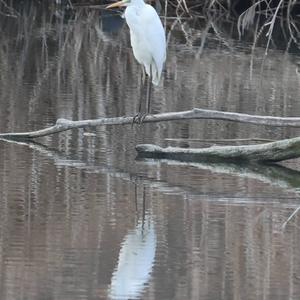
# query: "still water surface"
81,218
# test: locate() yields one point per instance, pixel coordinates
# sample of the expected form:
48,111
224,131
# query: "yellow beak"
117,4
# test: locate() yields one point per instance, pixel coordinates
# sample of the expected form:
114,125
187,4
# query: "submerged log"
268,152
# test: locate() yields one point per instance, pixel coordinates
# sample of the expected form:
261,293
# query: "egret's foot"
143,117
136,119
139,118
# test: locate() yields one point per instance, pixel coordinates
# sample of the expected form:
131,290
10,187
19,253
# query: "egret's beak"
117,4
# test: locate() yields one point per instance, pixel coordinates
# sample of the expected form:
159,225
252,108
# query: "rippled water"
81,218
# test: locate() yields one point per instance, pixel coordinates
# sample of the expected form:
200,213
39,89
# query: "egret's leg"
148,98
149,88
143,78
138,116
143,75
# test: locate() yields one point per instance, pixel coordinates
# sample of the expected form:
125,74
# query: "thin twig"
290,217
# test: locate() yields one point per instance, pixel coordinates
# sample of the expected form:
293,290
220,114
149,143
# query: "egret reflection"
135,263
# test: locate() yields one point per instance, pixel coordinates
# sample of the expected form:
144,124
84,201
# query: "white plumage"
147,36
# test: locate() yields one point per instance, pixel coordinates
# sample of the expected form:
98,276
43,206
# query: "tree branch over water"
194,114
271,152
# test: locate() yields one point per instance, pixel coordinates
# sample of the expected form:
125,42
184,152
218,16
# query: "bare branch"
196,113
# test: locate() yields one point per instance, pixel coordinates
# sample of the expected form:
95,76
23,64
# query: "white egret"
148,41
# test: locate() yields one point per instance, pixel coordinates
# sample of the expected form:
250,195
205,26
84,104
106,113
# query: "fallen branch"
196,113
268,152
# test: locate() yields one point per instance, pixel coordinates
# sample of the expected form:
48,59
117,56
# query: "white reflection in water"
135,263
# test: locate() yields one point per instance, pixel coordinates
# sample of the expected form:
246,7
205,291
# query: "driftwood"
268,152
196,113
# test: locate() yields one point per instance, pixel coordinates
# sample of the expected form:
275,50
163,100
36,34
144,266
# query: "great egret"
148,41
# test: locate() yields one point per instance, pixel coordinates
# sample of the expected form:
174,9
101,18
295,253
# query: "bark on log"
268,152
196,113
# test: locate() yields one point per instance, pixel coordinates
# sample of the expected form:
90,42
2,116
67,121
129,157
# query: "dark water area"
82,218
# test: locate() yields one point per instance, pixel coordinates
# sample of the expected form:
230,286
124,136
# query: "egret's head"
119,4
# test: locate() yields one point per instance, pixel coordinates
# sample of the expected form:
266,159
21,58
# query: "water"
81,218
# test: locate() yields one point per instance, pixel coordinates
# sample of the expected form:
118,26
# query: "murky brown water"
80,218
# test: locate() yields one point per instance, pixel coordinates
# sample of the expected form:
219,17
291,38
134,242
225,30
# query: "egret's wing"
155,36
